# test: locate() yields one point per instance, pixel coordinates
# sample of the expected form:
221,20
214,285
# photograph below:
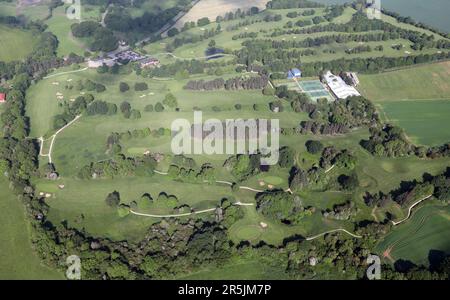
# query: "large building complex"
338,86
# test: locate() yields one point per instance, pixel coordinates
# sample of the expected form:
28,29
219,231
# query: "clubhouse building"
338,87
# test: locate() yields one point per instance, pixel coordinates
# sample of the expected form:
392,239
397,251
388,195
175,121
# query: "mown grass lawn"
82,202
16,43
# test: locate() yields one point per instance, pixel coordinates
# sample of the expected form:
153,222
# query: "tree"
349,183
113,199
278,205
212,44
125,107
135,114
203,21
172,32
123,87
314,147
140,86
159,107
100,88
286,158
170,100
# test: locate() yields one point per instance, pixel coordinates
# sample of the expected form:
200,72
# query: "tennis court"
315,89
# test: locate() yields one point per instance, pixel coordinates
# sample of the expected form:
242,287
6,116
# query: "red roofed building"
2,97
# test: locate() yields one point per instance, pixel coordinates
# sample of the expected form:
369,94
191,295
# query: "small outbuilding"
294,73
2,97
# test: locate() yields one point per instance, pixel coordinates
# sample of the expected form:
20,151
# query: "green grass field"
242,269
87,198
415,99
425,122
17,259
428,229
415,83
82,203
20,40
59,25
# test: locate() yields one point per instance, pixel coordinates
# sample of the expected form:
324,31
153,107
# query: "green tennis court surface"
315,90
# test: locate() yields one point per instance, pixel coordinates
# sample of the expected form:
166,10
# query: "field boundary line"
411,66
410,209
380,102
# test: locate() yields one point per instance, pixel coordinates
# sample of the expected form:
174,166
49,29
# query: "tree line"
235,83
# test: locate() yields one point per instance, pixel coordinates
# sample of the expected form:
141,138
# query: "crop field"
416,83
17,259
20,40
415,98
426,231
425,121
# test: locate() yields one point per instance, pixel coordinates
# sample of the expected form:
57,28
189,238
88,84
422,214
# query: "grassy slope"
59,25
17,259
423,116
422,82
99,219
426,122
428,229
85,142
20,40
242,269
264,30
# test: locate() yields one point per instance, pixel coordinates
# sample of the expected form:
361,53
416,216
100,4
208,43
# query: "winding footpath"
410,209
331,231
67,72
53,137
237,204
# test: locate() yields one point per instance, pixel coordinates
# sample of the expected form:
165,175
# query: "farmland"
425,121
425,232
416,83
416,99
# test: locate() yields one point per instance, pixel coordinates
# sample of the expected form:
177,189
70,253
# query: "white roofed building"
338,86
